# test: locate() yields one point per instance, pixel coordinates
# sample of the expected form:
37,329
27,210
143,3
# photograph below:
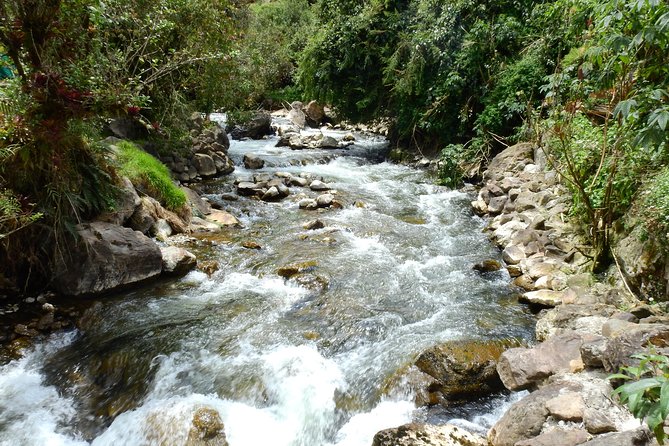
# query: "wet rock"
318,186
310,281
249,244
427,435
106,257
223,218
463,369
327,142
299,182
292,269
488,265
272,194
177,261
324,200
522,368
248,189
314,113
207,429
348,137
253,161
308,204
208,267
313,224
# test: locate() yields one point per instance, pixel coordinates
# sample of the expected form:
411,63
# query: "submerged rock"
291,270
207,429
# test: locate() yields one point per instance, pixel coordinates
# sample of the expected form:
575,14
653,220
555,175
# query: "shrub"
646,392
147,173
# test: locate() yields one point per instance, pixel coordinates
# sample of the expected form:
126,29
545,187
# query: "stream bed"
320,359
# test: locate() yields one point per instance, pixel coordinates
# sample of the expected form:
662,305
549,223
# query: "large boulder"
523,368
643,260
177,261
259,126
205,165
314,113
296,115
253,161
463,369
415,434
105,257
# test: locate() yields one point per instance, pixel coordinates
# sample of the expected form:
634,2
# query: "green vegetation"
646,392
150,175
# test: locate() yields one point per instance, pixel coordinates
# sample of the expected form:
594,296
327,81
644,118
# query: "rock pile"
276,187
208,155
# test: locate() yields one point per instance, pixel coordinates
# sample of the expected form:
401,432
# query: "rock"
522,368
252,161
545,298
125,204
224,164
324,200
496,204
128,128
161,229
223,218
513,255
248,244
272,194
208,267
314,113
296,115
198,205
561,437
348,137
597,422
568,406
314,224
177,261
488,265
632,340
327,142
311,282
593,351
105,257
292,269
573,317
643,261
145,216
204,164
257,128
318,186
427,435
480,207
300,182
207,429
463,369
512,159
637,437
309,204
248,189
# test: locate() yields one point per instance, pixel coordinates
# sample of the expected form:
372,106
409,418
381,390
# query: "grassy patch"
149,174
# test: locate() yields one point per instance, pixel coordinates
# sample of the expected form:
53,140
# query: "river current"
322,361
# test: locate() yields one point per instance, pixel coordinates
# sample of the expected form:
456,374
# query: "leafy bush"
149,174
646,392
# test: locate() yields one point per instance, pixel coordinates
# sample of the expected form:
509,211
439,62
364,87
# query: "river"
322,360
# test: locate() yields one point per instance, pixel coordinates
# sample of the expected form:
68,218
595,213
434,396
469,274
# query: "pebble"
30,300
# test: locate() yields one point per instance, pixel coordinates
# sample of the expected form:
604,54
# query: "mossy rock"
463,370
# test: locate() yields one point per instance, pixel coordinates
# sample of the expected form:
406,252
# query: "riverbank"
587,328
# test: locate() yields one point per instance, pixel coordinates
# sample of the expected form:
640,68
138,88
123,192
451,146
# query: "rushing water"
282,361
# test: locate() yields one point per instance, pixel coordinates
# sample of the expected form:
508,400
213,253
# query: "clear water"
282,363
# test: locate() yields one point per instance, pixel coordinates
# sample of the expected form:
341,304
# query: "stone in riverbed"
318,186
223,218
488,265
293,269
309,204
415,434
463,369
177,261
314,224
300,182
252,161
513,255
207,429
324,200
545,298
272,194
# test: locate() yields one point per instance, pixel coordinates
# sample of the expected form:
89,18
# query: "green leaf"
624,107
664,399
618,376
